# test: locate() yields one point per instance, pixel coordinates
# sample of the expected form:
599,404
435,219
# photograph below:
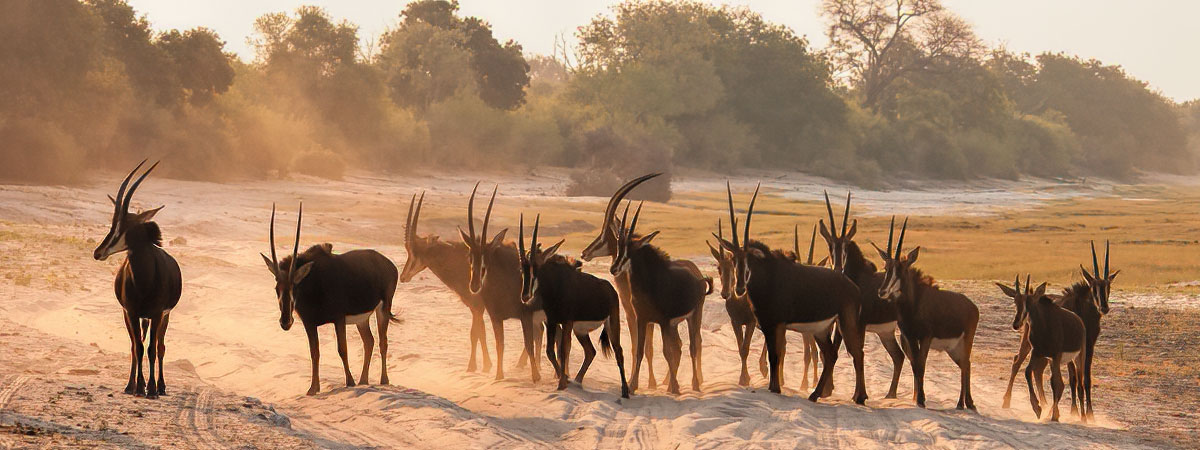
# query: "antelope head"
740,250
1023,299
532,260
287,275
896,268
413,244
724,263
837,241
122,220
1100,282
477,244
627,241
605,243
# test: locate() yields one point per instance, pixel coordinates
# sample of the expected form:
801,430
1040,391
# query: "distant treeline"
900,92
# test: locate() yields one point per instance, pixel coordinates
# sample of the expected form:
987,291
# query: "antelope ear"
327,247
824,232
466,239
578,264
882,254
146,216
724,243
1087,276
499,239
644,240
755,252
301,272
113,200
1114,275
270,265
853,229
1041,290
548,253
825,261
715,253
912,256
1007,290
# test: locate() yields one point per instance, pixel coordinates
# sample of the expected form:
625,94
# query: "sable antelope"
449,263
879,316
575,303
665,292
741,315
148,284
1088,299
605,244
1056,336
929,318
484,254
322,288
786,296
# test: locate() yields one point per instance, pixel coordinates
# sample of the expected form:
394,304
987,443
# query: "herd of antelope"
831,303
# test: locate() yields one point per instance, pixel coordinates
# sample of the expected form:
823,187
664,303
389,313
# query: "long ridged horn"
533,243
274,259
1106,272
829,207
749,214
487,217
732,216
812,243
891,233
471,213
610,211
900,242
118,210
1027,283
845,215
521,237
133,188
296,247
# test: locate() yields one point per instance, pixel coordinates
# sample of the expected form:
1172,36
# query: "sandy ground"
225,344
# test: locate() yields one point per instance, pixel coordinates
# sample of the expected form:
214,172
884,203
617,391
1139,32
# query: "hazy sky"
1156,41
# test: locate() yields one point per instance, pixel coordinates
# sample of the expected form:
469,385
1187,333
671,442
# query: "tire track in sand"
197,423
10,388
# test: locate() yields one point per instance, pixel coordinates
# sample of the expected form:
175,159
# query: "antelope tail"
709,282
605,344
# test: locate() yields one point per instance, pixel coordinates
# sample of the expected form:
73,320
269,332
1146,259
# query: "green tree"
204,69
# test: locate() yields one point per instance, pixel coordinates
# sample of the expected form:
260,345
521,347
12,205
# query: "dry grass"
1153,231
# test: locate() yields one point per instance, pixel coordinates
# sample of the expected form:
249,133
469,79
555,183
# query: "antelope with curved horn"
449,262
787,296
605,244
1056,336
324,288
665,292
485,255
1088,299
929,318
741,315
575,303
879,316
148,284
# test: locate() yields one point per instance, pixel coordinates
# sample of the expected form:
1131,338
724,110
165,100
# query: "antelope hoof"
471,367
860,398
813,397
745,379
383,380
1007,403
625,392
674,390
313,390
362,381
130,390
890,395
349,382
562,384
162,390
499,376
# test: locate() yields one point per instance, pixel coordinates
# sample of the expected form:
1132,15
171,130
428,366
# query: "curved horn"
892,232
1095,263
487,217
900,242
633,225
1027,290
121,192
749,213
533,243
624,218
812,243
845,215
133,188
408,221
274,259
296,247
521,237
1106,272
1017,283
610,211
471,212
732,216
796,241
829,207
720,237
